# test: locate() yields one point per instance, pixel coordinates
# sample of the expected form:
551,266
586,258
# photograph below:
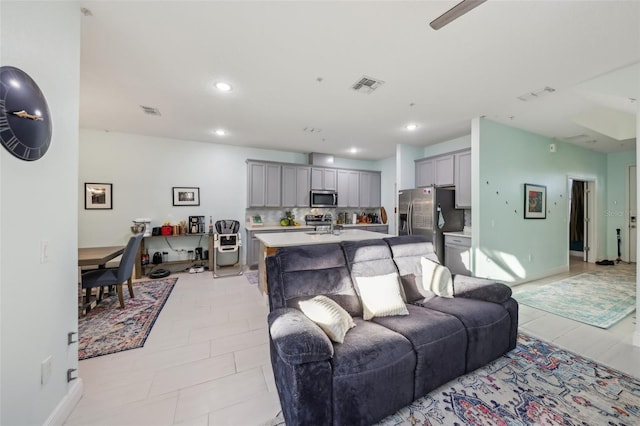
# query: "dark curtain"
576,225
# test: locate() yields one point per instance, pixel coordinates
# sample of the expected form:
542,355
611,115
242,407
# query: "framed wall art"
535,201
98,196
186,196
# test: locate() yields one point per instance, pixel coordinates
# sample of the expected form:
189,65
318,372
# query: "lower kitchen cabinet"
457,254
253,244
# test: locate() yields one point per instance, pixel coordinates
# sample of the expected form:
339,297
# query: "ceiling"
292,65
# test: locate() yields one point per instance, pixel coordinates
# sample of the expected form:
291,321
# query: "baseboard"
66,406
543,274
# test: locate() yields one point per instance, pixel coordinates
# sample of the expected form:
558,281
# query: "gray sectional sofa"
387,362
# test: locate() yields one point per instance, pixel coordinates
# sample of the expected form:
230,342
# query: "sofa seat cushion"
368,346
488,326
373,374
440,343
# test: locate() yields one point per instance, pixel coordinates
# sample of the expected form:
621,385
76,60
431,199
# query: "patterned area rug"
107,329
600,298
536,383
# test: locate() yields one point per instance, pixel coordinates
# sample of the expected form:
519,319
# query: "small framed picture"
535,201
185,196
98,196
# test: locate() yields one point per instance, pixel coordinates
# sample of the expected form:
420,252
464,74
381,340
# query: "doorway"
581,226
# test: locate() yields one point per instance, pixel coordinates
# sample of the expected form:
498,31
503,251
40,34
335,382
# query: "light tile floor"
206,361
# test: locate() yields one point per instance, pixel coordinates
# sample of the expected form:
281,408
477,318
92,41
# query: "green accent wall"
506,246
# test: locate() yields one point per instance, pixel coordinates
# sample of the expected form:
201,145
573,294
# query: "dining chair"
114,276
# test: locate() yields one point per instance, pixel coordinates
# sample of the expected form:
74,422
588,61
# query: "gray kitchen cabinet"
370,187
425,172
443,166
365,190
463,179
323,179
295,185
273,185
383,229
457,254
353,198
264,184
348,188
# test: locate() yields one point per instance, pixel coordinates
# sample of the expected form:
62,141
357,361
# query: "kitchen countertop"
285,239
458,234
275,227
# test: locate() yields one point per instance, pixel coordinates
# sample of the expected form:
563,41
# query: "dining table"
98,256
95,256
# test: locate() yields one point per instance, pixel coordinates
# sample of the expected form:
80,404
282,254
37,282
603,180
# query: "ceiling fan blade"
455,12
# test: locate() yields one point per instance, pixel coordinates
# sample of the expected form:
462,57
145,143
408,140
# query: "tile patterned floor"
206,361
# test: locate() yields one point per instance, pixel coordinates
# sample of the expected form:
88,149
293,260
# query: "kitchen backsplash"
273,216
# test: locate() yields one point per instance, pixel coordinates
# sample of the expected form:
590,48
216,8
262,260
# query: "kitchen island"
269,244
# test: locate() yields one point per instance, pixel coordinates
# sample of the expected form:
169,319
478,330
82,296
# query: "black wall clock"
25,122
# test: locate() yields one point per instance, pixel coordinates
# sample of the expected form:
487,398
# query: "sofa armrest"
297,339
480,288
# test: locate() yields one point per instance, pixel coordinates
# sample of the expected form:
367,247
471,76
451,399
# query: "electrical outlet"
44,251
45,370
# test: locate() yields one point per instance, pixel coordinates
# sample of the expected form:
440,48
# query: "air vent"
577,138
367,85
531,96
150,110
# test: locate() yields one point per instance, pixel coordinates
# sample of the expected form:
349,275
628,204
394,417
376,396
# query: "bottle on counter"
211,224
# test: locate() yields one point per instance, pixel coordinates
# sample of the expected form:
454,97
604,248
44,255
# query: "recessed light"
223,87
220,132
353,150
411,126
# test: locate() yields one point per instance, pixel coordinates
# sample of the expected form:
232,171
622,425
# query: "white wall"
38,203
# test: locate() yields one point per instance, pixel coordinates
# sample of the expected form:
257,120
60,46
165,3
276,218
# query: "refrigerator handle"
409,217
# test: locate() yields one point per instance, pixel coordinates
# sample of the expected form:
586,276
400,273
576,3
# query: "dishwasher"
457,254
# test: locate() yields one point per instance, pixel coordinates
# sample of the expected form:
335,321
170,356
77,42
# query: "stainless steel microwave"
323,198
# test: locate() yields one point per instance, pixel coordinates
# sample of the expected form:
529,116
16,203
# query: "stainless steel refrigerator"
429,212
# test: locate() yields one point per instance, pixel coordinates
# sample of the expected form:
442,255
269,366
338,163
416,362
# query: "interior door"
632,214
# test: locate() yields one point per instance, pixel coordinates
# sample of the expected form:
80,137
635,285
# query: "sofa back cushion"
368,258
407,252
302,272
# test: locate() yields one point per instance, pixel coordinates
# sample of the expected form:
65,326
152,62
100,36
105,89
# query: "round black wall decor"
25,122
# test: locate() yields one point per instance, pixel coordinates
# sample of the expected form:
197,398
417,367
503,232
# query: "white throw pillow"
330,316
380,296
436,278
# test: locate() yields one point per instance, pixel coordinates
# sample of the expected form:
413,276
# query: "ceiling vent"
531,96
150,110
367,85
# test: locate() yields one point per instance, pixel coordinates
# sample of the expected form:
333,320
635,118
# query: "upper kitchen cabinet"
370,188
425,172
463,179
444,170
348,188
323,179
296,183
264,180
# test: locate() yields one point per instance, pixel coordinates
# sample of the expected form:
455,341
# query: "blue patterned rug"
536,383
600,298
107,329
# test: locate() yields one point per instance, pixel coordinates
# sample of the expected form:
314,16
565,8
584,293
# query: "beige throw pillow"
330,316
436,278
380,296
